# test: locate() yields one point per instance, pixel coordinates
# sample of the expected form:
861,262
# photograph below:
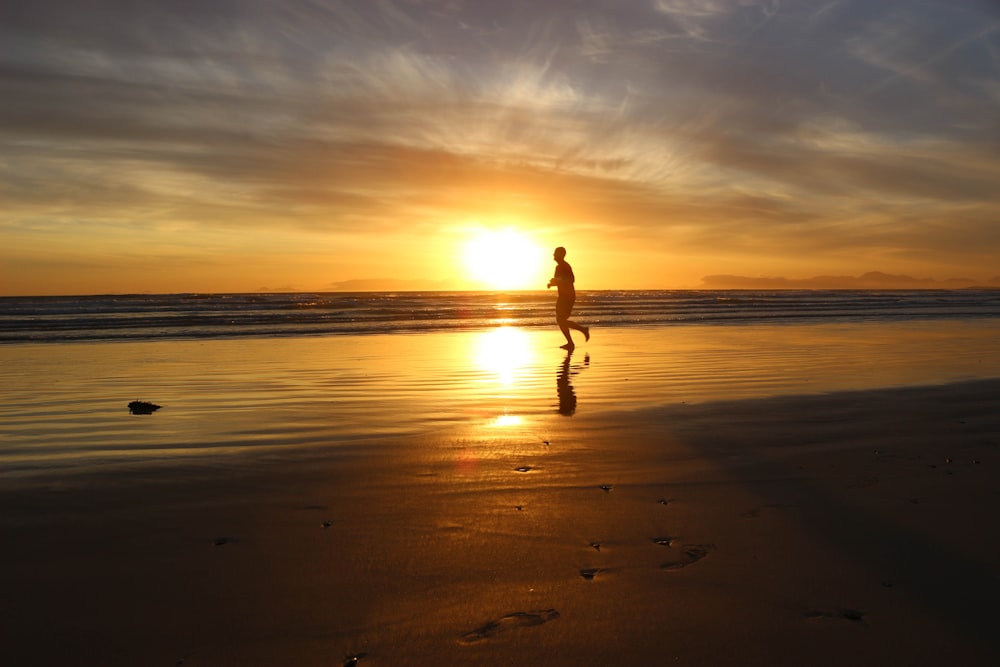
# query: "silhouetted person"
564,279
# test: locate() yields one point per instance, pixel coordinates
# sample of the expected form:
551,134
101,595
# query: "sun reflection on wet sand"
506,357
504,352
508,420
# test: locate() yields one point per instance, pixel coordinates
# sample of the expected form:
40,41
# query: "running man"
564,279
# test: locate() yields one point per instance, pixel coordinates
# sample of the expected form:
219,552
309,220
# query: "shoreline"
850,527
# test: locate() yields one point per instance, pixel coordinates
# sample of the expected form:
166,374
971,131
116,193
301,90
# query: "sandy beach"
757,514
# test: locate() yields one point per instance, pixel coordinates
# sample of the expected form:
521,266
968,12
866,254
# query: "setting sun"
505,260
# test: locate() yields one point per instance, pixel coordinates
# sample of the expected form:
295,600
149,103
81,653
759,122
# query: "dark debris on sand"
142,408
352,660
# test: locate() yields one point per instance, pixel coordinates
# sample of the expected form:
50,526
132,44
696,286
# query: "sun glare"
504,260
504,354
504,351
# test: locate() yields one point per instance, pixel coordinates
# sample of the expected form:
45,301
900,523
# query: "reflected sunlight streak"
504,352
507,420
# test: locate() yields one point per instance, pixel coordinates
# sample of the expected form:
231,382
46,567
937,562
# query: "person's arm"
561,277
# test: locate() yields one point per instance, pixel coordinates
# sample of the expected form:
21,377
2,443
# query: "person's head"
559,254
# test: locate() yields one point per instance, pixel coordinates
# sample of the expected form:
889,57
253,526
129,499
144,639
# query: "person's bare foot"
568,346
586,333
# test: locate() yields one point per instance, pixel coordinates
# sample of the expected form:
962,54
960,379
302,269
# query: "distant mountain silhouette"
287,288
388,285
870,280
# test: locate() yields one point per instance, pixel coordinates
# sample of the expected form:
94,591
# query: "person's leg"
579,327
563,326
563,309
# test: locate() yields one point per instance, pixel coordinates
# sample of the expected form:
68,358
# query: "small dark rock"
142,408
853,615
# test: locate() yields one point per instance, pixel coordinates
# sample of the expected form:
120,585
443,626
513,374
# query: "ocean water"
252,375
158,317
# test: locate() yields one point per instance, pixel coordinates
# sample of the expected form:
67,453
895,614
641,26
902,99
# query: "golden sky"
233,146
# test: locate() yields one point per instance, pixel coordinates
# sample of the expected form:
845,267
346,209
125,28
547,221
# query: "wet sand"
844,527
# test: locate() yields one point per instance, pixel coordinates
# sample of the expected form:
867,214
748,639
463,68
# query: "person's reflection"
567,397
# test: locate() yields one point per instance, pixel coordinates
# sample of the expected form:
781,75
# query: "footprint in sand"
520,619
755,512
852,615
692,553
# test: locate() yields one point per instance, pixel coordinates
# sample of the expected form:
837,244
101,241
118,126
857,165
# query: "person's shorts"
564,308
